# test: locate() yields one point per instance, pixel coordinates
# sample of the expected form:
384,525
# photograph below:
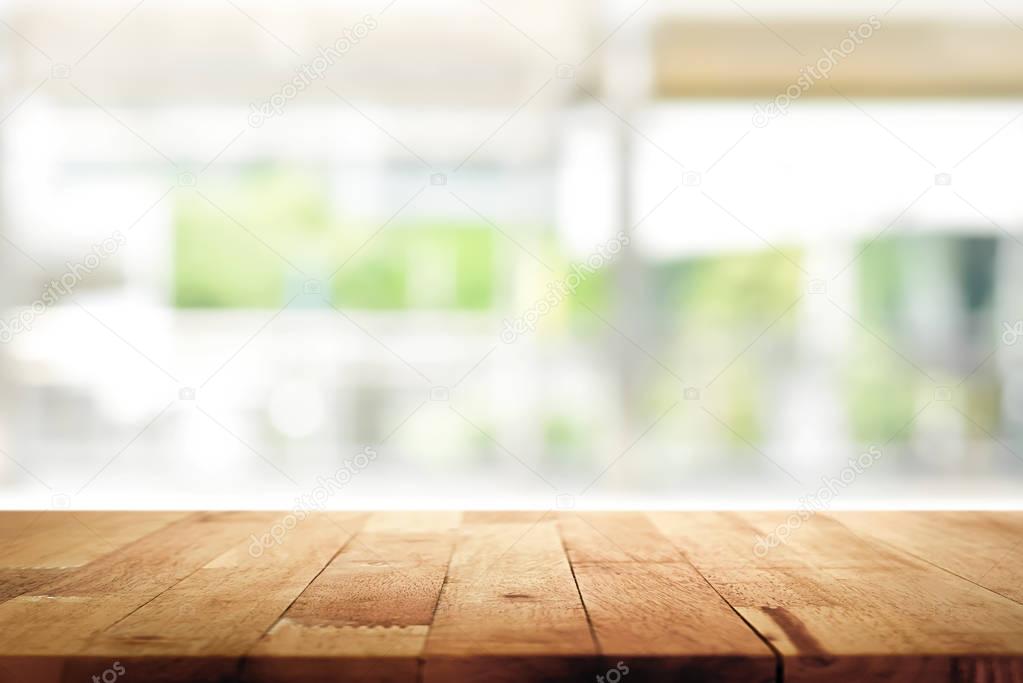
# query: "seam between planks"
582,601
779,659
874,540
421,658
244,657
81,566
183,578
121,549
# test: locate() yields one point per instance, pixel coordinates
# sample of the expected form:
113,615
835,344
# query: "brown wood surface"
516,596
839,606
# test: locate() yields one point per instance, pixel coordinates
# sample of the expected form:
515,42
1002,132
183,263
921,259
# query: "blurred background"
634,253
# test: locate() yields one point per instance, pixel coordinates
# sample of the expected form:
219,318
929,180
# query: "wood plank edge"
243,661
582,601
779,659
870,538
587,668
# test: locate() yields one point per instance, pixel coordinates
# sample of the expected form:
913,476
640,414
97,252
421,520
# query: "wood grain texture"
512,596
366,616
47,628
649,606
70,539
983,547
201,627
840,607
509,608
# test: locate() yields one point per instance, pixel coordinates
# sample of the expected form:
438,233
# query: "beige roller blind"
911,59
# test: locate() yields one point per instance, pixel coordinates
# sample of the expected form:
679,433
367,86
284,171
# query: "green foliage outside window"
730,288
224,251
232,251
426,265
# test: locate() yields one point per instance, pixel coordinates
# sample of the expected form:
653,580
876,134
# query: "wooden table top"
511,596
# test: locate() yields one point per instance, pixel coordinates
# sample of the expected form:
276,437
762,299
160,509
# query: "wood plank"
55,621
510,609
296,652
504,516
983,547
410,596
614,537
70,539
15,582
199,629
366,616
160,559
655,614
835,605
42,547
414,521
